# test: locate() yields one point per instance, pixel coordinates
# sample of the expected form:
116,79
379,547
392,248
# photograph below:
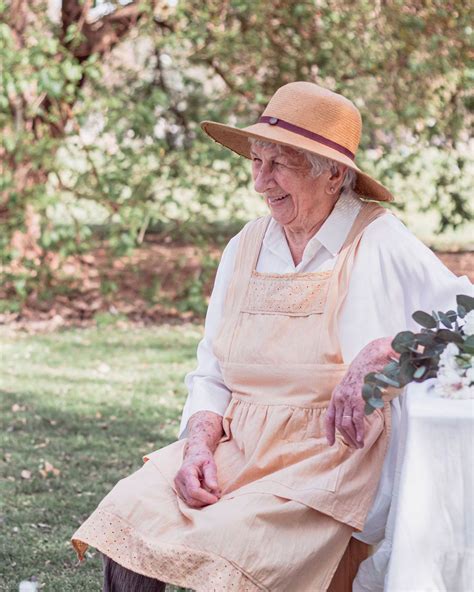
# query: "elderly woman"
277,465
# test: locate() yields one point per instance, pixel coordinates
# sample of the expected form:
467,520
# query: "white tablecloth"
429,539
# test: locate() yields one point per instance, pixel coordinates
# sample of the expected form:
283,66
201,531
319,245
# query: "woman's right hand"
196,480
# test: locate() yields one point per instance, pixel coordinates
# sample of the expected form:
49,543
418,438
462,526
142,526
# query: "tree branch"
102,35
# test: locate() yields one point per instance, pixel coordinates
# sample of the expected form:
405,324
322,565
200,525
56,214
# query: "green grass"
90,402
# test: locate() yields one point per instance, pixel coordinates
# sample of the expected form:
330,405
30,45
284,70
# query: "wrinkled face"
283,177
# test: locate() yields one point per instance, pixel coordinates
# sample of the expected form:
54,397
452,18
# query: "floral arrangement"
443,349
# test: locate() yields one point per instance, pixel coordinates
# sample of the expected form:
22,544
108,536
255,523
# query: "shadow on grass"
42,504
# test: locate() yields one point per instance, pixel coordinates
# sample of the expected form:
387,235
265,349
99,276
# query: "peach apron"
290,502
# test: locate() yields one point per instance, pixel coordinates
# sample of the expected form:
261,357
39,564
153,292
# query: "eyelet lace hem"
174,564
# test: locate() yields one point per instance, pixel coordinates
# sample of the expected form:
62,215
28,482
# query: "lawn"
79,408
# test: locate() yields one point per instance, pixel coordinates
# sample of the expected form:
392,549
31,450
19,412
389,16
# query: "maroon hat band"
306,133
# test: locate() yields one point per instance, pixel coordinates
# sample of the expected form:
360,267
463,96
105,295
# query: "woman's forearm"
346,409
204,431
196,481
372,358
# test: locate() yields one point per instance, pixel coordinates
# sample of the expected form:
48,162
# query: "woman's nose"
263,179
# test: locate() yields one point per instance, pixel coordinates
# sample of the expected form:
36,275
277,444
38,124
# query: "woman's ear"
336,178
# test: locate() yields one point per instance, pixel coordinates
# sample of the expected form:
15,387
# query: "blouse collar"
330,236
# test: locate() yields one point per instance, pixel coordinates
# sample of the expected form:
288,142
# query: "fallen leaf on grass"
25,474
16,408
49,469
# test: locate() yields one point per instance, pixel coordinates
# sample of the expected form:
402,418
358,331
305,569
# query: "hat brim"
236,139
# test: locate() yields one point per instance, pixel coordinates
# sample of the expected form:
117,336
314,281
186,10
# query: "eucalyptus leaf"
449,336
391,368
424,319
467,302
419,372
375,402
367,391
405,357
386,381
368,409
378,392
445,319
425,338
407,370
403,341
435,349
370,376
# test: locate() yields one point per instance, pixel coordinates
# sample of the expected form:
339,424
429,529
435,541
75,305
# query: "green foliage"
419,352
192,297
111,140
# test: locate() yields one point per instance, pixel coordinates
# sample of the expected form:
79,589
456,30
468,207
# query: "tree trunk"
42,116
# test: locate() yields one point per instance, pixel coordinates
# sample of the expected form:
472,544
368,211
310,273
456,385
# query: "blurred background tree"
100,104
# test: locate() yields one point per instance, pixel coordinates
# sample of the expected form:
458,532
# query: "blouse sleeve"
206,388
394,275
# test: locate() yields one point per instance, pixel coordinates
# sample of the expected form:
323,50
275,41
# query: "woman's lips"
275,200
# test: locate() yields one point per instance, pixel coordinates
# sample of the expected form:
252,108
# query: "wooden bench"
346,571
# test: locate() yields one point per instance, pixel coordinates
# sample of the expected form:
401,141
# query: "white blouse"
394,274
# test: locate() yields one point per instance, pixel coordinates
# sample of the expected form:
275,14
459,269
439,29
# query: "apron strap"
339,284
250,244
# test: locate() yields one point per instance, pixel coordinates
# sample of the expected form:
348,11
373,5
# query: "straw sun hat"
306,116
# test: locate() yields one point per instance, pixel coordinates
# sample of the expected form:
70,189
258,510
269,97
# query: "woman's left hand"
346,409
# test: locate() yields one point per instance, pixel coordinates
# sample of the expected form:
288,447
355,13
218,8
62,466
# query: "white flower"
451,391
448,377
468,326
466,392
454,381
448,356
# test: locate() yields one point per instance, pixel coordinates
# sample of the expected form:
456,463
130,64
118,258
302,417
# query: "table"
429,538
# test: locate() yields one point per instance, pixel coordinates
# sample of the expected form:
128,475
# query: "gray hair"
318,164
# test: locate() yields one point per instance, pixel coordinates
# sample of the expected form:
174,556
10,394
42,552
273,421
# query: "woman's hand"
196,480
346,409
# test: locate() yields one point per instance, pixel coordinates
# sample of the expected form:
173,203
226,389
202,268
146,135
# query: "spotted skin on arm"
346,409
196,481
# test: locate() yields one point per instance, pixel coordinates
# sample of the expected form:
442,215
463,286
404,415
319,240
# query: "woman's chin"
281,214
